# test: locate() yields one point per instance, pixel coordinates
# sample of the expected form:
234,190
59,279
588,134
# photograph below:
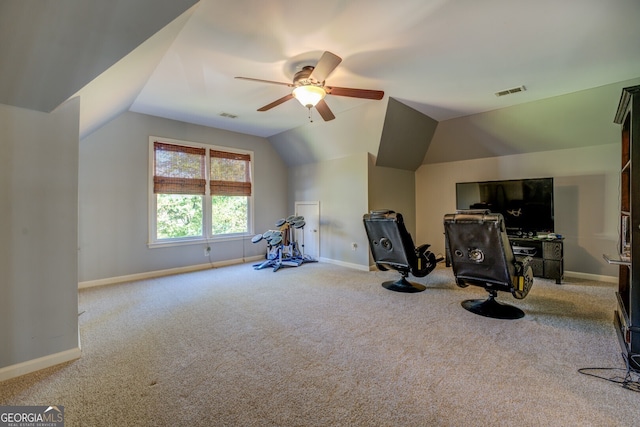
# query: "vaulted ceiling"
178,58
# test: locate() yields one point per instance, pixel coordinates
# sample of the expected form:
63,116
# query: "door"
308,237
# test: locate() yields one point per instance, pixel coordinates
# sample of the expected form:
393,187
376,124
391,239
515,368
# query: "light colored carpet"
324,345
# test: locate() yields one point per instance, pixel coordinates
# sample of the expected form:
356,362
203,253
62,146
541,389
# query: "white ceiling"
444,58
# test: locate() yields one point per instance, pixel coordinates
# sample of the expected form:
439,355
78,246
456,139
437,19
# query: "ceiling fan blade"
276,102
324,111
354,93
265,81
327,63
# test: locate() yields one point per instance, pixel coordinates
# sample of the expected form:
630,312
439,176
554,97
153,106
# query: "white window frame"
206,199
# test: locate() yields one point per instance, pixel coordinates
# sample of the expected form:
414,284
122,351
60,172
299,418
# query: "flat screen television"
525,204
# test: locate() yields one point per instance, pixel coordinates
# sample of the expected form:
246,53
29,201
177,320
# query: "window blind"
230,174
178,169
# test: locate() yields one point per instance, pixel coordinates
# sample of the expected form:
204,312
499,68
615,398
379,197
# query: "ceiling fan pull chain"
310,119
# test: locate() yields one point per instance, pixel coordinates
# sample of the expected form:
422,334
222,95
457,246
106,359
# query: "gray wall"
576,120
393,189
52,48
586,198
405,138
38,225
338,171
525,141
340,185
354,131
329,162
113,195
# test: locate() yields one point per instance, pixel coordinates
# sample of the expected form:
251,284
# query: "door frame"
312,203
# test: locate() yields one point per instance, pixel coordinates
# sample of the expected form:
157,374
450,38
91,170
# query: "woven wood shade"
230,174
178,169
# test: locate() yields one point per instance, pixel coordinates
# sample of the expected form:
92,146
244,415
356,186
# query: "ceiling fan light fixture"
309,95
309,87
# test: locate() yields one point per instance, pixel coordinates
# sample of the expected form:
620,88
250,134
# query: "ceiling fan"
309,87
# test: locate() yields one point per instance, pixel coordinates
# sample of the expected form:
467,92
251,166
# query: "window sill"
197,241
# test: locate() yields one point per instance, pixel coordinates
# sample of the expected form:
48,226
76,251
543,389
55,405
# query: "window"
198,192
230,191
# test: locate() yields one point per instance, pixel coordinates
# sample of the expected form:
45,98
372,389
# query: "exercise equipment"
282,247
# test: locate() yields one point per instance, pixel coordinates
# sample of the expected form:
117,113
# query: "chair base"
403,285
492,308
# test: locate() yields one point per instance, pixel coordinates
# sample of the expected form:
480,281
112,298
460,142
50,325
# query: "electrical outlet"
207,251
354,246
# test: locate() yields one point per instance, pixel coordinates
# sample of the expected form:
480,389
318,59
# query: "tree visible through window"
194,199
230,191
178,216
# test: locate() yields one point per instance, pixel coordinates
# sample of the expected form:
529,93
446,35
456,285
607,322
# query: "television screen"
525,204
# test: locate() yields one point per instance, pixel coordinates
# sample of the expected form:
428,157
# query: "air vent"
510,91
229,116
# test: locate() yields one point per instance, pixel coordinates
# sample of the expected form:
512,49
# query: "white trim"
316,204
189,268
574,274
345,264
589,276
33,365
199,240
152,242
167,272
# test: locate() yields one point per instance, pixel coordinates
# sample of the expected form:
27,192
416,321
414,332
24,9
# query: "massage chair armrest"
426,261
524,278
522,264
420,250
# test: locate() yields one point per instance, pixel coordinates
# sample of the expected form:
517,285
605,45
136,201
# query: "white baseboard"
589,276
167,272
345,264
178,270
29,366
574,274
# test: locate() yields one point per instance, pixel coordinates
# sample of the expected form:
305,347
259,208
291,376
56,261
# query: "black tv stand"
547,255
